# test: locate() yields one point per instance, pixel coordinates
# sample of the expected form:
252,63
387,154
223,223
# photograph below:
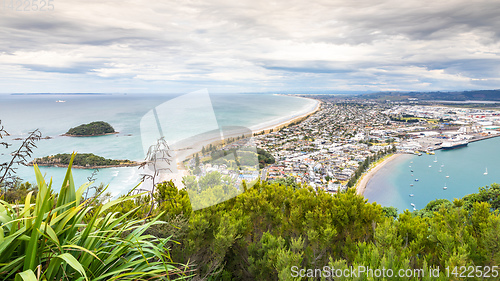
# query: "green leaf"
67,193
50,232
71,261
27,275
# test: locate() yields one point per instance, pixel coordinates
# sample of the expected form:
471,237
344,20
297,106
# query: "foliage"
91,129
261,233
242,158
264,158
258,235
84,159
20,156
17,192
488,194
61,237
390,212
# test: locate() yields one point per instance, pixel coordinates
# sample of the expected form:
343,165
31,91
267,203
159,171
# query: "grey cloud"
196,38
77,68
306,66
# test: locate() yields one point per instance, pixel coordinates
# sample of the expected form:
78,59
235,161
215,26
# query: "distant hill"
98,128
483,95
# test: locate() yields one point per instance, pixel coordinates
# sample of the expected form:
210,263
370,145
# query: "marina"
457,173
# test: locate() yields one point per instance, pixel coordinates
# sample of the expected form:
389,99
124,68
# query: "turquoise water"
464,167
23,113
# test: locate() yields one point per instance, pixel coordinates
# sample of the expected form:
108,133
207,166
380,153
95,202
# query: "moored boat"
454,143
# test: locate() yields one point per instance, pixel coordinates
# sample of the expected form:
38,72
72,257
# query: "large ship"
454,143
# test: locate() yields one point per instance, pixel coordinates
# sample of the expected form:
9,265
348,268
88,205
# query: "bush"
62,237
91,129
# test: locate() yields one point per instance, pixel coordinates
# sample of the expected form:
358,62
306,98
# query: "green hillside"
92,129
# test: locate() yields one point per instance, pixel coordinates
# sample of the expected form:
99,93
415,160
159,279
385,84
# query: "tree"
390,212
91,129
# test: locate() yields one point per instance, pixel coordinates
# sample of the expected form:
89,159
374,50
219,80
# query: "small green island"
82,161
98,128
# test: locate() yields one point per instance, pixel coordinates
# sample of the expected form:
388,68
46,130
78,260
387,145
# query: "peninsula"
82,161
99,128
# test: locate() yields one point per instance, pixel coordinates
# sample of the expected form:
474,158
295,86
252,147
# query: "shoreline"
291,119
84,136
363,181
135,164
267,128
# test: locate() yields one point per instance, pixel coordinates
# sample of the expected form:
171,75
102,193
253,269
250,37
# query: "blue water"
22,113
464,166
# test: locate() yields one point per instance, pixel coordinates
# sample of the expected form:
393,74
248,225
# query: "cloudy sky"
251,46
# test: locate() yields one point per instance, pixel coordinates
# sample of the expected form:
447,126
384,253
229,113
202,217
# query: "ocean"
21,114
460,170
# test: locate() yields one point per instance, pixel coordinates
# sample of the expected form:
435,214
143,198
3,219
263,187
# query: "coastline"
363,182
290,119
184,152
83,136
135,164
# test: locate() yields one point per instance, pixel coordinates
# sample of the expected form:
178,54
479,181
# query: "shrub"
62,237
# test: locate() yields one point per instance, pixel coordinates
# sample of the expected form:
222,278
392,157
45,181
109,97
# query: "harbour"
448,174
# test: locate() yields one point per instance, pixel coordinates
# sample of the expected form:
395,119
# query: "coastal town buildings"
326,150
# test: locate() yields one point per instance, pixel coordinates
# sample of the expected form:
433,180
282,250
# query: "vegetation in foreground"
262,233
97,128
258,235
64,237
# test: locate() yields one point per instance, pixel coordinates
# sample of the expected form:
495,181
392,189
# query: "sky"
250,46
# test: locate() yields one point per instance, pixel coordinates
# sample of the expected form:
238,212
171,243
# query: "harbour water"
461,171
22,113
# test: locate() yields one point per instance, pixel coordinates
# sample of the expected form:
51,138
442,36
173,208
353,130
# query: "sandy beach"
361,185
188,148
292,119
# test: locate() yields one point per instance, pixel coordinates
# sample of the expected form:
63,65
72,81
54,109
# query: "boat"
440,170
447,176
430,166
412,171
444,187
419,154
485,173
414,209
431,153
411,194
454,143
413,205
60,101
435,159
411,184
416,179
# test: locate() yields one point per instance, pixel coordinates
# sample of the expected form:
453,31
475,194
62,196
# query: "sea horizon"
23,113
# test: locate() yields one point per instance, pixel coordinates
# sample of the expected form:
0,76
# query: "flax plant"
63,237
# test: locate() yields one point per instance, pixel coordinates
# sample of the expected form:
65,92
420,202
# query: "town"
331,148
326,150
